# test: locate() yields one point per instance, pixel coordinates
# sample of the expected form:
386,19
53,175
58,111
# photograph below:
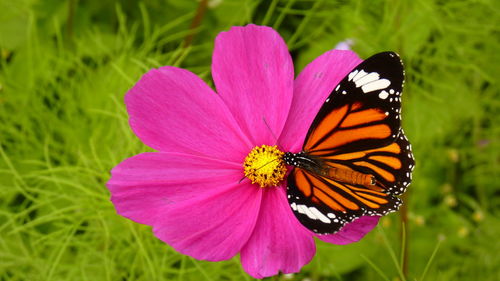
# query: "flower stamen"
264,165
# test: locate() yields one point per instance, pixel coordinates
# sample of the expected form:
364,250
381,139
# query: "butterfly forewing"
362,112
357,130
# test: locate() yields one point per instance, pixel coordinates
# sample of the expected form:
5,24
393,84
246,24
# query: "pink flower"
190,190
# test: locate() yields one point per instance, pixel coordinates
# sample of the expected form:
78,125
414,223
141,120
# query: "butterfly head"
289,158
301,160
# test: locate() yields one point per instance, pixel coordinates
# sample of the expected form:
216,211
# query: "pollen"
264,166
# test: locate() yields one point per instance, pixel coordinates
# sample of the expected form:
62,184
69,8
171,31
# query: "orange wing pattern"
345,126
355,157
391,165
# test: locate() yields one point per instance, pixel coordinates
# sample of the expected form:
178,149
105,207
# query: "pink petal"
279,242
195,204
311,88
173,110
253,72
352,232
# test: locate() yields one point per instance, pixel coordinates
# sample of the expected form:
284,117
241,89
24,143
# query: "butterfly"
355,159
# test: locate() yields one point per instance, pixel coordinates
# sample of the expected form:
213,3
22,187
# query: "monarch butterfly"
355,158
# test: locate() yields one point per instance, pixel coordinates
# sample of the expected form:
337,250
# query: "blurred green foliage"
65,66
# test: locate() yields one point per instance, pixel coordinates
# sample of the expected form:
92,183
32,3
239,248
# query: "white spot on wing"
319,215
373,76
383,95
301,209
358,76
376,85
309,213
352,74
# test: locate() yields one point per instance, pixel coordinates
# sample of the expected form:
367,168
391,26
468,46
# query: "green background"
66,65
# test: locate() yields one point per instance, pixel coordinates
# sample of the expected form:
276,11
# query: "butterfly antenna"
272,133
269,128
241,179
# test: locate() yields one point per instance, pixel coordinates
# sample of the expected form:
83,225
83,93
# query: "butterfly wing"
363,110
391,164
357,129
325,206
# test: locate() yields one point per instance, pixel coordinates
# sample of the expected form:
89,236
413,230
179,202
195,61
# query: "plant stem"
200,12
404,234
71,15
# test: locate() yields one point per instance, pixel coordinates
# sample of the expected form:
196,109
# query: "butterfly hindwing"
403,174
325,206
391,164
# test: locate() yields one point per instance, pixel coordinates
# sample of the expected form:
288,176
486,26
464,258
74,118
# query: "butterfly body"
355,159
314,165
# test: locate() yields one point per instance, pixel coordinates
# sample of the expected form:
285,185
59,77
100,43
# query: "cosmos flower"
190,191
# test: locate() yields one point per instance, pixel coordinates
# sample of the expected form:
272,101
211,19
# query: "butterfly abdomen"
349,176
312,164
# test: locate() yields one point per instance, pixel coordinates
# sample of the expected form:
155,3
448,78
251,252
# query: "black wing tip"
388,56
391,54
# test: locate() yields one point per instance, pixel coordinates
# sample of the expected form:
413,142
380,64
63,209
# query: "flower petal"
311,88
195,204
173,110
352,232
253,72
279,242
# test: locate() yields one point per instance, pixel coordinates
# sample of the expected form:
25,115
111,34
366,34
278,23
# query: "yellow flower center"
264,165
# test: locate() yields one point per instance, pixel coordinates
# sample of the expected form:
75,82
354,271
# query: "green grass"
63,126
